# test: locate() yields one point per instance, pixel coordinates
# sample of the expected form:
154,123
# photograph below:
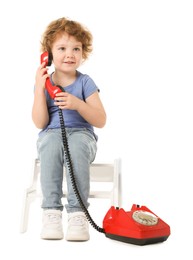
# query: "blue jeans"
82,148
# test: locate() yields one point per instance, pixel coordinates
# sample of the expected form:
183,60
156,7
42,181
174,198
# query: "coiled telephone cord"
70,167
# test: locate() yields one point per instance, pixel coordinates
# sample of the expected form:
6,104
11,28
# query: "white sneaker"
52,224
78,227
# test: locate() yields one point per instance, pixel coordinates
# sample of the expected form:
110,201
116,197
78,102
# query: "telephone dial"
139,226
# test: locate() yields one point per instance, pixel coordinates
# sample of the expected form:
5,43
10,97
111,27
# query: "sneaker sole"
76,237
52,236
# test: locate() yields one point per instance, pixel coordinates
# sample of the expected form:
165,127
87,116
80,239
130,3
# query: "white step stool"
99,172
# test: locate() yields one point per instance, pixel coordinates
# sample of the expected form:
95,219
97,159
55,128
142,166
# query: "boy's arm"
93,111
40,114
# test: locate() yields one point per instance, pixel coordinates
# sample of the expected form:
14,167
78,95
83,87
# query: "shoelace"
77,220
53,218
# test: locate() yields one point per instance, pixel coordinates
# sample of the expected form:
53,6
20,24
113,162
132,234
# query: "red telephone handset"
52,90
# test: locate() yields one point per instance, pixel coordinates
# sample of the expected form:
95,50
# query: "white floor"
28,245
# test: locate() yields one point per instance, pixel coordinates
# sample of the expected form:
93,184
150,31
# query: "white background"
142,63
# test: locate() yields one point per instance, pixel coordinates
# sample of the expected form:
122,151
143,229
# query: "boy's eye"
62,48
77,49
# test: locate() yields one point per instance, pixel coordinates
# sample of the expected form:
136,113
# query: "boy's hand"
41,75
65,100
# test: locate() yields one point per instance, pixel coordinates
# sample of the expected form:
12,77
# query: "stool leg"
29,196
25,213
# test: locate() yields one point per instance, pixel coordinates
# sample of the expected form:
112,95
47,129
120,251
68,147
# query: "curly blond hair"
73,28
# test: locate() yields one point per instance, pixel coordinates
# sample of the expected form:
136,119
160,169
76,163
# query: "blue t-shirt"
82,88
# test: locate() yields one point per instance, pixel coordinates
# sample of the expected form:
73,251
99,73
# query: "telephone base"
135,241
139,226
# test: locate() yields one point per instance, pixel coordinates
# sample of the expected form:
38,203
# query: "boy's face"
67,53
